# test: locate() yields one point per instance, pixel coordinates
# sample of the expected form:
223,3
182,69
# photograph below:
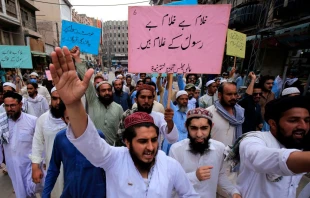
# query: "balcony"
10,6
245,16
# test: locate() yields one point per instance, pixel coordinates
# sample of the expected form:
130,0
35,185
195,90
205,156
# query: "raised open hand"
69,86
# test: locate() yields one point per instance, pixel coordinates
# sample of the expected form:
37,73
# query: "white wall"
65,11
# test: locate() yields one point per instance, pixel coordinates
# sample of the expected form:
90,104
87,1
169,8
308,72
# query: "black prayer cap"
275,108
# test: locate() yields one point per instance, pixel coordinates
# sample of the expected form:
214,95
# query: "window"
119,49
115,34
119,43
114,42
119,35
110,34
119,27
123,49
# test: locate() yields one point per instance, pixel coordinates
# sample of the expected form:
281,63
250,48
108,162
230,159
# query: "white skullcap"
180,93
34,74
9,84
54,89
102,82
198,89
222,81
290,90
210,82
119,76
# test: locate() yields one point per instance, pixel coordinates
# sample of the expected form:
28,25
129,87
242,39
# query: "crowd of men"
92,138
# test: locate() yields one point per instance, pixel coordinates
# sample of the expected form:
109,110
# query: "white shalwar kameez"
124,180
45,132
36,106
16,155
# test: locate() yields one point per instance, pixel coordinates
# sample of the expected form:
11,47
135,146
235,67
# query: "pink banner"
177,39
48,75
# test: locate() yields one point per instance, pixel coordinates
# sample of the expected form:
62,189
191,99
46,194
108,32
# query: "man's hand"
75,53
203,173
37,174
169,113
252,76
69,86
236,196
169,118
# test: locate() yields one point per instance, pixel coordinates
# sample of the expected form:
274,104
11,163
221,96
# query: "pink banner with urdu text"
177,39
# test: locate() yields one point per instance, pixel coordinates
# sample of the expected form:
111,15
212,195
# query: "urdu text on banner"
236,44
14,56
84,36
177,39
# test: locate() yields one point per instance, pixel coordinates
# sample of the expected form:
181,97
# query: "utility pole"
57,31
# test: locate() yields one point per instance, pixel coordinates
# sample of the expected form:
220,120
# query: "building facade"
115,43
49,21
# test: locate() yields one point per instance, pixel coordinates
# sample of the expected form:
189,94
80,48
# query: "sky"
106,13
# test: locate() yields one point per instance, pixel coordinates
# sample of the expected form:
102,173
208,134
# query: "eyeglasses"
12,106
255,94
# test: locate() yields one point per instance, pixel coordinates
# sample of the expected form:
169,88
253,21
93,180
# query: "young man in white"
47,127
35,104
137,170
272,163
202,157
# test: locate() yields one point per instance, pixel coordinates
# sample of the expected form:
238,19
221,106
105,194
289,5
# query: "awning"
291,37
38,54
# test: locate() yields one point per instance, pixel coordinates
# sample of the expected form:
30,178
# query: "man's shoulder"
216,144
181,145
211,108
42,87
115,105
29,117
44,115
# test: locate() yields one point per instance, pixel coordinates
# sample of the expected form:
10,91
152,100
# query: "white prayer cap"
198,89
9,84
34,74
54,89
102,82
222,81
290,90
119,76
180,93
210,82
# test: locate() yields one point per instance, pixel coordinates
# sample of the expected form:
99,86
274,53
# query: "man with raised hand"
131,171
104,112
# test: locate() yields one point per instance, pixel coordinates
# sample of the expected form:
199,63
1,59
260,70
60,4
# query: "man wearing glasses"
16,135
252,110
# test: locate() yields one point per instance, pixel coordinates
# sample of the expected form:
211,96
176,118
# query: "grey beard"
183,109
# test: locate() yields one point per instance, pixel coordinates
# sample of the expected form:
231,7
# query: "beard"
230,103
197,147
147,110
183,109
143,166
118,91
56,112
14,115
105,100
290,142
